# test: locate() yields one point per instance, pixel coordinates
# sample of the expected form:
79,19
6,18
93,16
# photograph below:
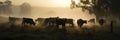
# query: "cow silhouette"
61,21
51,21
80,22
70,22
28,21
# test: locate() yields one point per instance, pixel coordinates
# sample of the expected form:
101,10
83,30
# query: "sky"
62,12
44,3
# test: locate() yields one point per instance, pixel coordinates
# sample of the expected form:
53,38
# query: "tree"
1,7
73,4
7,6
101,7
25,8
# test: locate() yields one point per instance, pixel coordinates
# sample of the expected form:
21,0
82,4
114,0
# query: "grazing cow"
13,20
51,21
70,22
101,21
80,22
92,20
63,21
28,21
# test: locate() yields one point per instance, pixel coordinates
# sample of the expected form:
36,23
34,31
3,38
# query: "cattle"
101,21
70,22
91,20
61,21
13,20
40,20
80,22
51,21
28,21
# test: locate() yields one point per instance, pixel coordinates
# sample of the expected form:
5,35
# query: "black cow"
61,21
80,22
101,21
51,21
69,21
28,21
64,21
92,20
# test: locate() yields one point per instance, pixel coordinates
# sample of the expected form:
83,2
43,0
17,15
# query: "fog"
45,12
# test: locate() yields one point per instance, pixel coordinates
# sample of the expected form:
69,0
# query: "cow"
13,20
91,20
40,20
61,21
69,21
101,21
51,20
80,22
28,21
64,21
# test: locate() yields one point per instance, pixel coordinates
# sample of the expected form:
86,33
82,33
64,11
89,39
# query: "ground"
97,33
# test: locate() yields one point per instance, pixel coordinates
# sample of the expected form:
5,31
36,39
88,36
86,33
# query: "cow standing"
80,22
28,21
64,21
51,21
61,22
70,22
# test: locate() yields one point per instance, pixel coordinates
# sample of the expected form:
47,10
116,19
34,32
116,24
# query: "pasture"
94,32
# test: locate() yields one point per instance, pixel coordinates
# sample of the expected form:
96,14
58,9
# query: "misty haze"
59,20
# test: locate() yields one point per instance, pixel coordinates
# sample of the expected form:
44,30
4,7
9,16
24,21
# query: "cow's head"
85,21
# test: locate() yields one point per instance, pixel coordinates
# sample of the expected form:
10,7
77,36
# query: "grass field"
8,32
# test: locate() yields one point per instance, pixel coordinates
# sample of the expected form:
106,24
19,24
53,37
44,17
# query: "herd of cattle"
54,21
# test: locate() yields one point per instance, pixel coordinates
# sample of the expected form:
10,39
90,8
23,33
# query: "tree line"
6,7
